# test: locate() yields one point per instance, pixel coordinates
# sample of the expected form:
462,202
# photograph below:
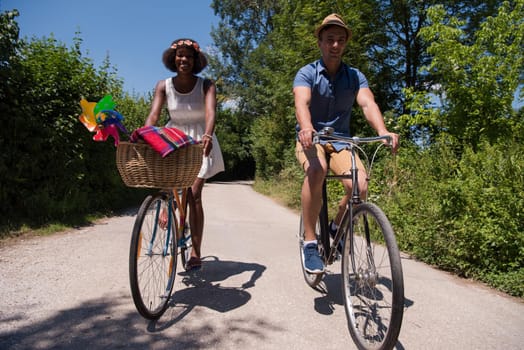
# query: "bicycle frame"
175,199
326,135
168,235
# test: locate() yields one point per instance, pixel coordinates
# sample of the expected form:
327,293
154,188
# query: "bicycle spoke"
373,286
152,262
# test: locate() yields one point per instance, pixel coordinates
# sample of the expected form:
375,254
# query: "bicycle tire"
312,279
152,258
373,297
184,242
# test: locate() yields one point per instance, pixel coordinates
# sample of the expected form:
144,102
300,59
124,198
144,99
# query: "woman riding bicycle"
325,91
191,103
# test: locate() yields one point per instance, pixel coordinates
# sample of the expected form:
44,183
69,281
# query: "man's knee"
316,173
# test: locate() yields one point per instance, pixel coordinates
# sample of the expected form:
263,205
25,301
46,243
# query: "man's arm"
366,100
302,101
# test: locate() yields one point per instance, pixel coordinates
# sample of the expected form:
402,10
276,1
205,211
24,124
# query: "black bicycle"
372,279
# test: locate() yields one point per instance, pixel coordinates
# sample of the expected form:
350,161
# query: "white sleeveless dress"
187,113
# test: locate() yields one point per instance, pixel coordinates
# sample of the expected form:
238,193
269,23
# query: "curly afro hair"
168,57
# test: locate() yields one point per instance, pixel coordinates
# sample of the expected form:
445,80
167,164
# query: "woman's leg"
196,216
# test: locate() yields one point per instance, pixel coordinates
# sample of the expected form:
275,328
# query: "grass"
30,230
283,191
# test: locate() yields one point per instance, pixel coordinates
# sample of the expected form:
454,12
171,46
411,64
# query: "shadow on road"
107,322
331,294
204,289
331,290
92,324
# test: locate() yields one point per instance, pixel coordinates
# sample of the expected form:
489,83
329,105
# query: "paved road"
71,291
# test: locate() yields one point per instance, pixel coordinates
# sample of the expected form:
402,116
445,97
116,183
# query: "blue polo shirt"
331,100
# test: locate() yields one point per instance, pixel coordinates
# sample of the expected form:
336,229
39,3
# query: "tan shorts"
339,163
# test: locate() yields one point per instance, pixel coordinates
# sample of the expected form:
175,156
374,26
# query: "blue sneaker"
333,233
312,261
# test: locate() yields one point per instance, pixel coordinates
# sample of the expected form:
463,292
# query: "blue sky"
133,33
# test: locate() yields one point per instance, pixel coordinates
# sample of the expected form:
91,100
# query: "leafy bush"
233,133
469,215
50,167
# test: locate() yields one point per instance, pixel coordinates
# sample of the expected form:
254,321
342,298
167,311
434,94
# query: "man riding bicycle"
325,91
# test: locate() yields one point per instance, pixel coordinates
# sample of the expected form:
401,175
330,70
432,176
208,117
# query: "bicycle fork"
159,209
365,275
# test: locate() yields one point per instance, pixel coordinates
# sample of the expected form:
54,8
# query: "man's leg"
340,164
315,166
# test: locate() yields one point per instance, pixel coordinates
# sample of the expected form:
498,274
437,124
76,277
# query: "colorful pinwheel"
102,118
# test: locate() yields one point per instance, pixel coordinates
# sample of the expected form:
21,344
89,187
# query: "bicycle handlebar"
326,134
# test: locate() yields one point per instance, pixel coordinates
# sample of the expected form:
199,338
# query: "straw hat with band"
169,55
333,20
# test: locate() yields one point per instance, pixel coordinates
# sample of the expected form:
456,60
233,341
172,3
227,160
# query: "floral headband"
186,42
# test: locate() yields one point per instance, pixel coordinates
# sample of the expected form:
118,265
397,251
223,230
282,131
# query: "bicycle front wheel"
372,281
184,242
152,256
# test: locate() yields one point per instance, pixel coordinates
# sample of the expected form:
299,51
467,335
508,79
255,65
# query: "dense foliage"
463,213
50,169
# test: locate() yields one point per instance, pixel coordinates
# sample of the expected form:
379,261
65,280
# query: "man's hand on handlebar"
308,136
305,137
393,141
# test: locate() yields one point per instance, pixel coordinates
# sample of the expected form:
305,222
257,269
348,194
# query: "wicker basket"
141,166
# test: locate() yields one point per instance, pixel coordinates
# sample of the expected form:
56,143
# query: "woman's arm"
210,107
158,102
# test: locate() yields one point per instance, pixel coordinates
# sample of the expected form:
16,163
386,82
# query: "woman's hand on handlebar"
305,137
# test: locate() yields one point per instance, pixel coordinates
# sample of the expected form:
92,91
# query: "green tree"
392,51
466,181
261,44
242,28
8,37
477,75
233,133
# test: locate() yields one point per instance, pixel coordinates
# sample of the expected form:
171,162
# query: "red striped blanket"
163,140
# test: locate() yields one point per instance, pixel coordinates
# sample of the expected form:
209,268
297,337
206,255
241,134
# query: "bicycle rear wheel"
152,256
372,281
